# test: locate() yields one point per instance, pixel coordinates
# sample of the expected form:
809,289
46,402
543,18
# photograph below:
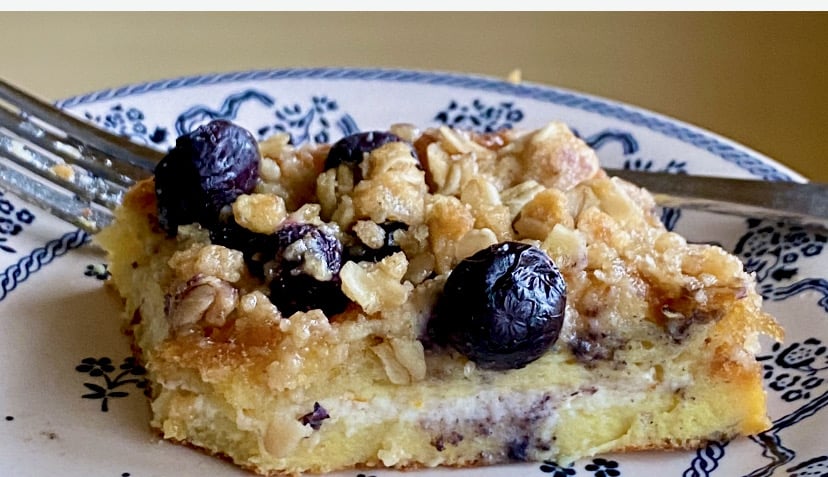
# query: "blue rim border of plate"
672,128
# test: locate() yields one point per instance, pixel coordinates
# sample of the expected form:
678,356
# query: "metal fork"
86,169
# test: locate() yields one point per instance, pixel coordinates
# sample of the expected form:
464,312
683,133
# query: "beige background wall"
758,78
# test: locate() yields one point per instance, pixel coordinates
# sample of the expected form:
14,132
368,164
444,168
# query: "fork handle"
805,202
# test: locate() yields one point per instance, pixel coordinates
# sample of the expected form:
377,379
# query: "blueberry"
362,253
503,307
205,171
351,150
295,285
255,247
303,273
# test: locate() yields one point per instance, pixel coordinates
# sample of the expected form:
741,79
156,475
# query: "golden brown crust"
141,198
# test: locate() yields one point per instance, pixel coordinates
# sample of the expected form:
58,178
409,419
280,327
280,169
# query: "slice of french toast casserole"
410,298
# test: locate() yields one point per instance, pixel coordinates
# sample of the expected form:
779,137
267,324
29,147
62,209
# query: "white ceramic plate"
71,400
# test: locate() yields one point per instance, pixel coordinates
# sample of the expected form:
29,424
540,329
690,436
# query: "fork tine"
72,209
84,184
87,170
109,144
121,174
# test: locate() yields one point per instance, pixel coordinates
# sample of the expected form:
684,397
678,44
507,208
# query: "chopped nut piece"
202,299
261,213
403,360
376,286
542,213
370,233
557,158
566,247
457,142
213,260
393,187
489,212
448,221
474,241
405,131
515,198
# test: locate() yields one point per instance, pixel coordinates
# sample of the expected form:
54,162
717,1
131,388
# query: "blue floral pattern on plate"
320,105
13,219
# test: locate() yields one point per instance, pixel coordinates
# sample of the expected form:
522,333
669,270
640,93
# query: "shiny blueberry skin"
205,171
503,307
291,289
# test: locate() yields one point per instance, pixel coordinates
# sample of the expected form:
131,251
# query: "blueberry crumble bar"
417,298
